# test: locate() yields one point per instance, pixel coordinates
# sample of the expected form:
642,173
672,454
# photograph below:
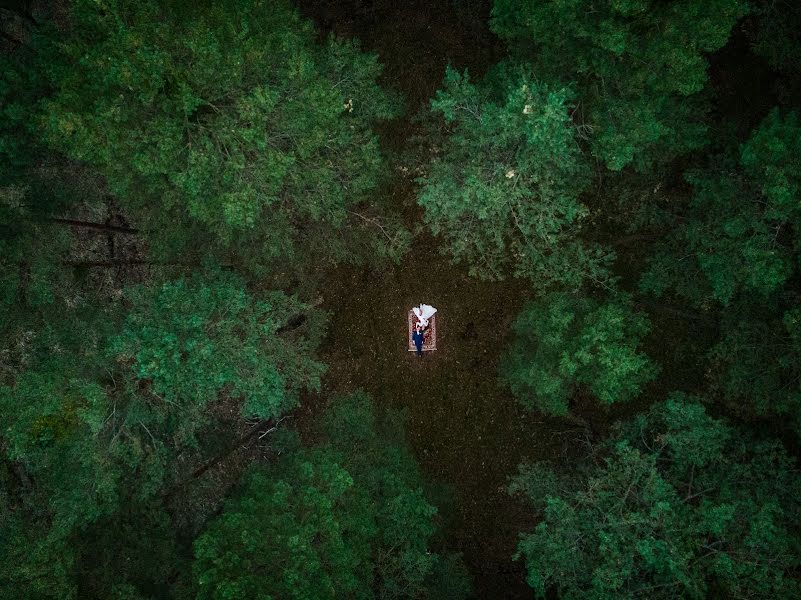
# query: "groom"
417,338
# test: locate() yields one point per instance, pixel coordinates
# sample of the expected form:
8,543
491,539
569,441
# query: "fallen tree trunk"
265,426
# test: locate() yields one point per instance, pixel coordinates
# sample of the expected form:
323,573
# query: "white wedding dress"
423,313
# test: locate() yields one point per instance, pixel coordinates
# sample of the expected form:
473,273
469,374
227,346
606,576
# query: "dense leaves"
756,364
345,518
91,440
742,232
229,122
638,66
564,342
177,178
504,193
774,34
737,248
683,505
194,338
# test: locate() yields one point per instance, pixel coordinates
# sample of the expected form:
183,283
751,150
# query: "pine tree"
230,123
638,67
504,194
346,518
564,342
684,505
735,253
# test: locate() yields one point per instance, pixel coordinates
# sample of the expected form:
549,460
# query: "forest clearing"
215,219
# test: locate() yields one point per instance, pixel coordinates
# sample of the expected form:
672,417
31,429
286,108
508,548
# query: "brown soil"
466,431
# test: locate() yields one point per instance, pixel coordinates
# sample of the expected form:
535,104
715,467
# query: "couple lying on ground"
424,312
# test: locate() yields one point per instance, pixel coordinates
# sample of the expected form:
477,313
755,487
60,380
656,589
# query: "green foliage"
737,248
94,442
230,134
756,364
22,84
195,338
638,66
77,420
684,505
51,423
742,231
504,193
79,457
229,122
35,564
563,342
300,517
380,463
346,518
133,555
32,282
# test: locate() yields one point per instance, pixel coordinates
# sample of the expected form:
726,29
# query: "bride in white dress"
423,313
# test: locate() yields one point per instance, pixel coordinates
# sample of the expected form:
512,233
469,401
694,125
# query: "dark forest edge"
176,180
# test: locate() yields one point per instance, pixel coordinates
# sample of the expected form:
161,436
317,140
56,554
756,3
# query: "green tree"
735,253
504,192
564,342
684,505
741,232
197,337
75,454
293,532
755,366
227,122
346,518
99,407
774,34
638,66
33,282
22,84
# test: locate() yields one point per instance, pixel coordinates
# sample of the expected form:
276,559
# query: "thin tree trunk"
108,264
100,226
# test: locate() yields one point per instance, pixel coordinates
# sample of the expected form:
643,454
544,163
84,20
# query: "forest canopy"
214,215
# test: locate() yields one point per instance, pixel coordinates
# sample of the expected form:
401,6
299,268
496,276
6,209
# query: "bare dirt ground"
466,431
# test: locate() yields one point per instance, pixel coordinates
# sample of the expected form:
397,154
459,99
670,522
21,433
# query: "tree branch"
100,226
374,222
